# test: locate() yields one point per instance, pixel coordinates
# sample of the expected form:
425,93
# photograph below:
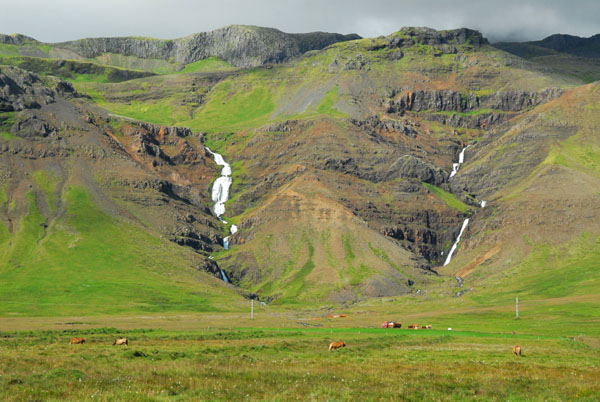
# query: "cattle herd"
394,324
119,341
517,351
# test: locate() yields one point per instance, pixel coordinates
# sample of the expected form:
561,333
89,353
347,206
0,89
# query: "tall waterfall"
220,195
464,226
455,167
461,160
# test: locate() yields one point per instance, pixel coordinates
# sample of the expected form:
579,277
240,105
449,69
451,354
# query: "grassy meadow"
282,354
294,364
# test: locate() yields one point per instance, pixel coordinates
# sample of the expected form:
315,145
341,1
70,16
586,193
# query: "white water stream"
455,167
464,226
220,195
461,160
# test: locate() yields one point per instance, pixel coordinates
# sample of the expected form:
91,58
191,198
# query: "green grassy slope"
71,70
87,263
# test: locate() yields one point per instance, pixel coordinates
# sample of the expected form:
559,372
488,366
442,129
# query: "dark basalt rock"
431,37
376,123
210,266
32,127
20,90
503,103
481,120
409,166
454,101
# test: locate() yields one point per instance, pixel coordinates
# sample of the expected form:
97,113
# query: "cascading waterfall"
220,195
224,276
464,226
461,160
455,167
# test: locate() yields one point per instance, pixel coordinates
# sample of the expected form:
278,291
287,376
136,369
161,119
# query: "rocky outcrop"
470,110
409,166
32,126
190,237
432,37
375,123
242,46
21,90
147,139
441,42
454,101
210,266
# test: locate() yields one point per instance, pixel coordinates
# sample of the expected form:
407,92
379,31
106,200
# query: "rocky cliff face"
455,101
432,37
21,90
441,42
242,46
484,109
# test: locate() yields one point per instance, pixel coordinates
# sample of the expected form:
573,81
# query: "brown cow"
413,326
426,327
517,351
336,345
121,341
76,341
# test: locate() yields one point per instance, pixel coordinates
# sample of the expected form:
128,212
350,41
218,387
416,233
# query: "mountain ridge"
341,163
240,45
563,43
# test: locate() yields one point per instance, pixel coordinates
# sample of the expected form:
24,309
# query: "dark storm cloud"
62,20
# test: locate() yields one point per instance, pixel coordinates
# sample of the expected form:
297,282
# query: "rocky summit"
348,169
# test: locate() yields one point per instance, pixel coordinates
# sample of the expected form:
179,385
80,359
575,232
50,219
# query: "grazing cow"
76,341
121,341
517,351
336,345
426,327
413,326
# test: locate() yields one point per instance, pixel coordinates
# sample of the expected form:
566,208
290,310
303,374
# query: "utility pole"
251,308
517,307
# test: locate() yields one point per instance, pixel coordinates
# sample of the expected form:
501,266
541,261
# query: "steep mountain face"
242,46
71,175
354,167
538,235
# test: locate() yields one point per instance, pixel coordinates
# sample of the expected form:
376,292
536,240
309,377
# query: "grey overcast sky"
61,20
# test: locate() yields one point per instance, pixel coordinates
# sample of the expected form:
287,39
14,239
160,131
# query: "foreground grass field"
190,359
